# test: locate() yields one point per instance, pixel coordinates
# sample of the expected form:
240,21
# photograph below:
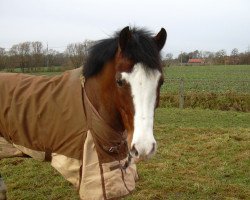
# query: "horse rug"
51,119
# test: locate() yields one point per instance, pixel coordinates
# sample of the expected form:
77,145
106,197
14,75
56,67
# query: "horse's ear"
160,38
124,37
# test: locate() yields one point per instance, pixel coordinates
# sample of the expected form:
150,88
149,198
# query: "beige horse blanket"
52,119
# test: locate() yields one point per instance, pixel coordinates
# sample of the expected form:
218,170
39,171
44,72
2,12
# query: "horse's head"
131,65
138,80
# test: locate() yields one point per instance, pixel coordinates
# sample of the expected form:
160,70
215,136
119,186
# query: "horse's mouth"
135,158
144,155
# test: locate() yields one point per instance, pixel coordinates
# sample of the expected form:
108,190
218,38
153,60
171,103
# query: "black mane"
141,48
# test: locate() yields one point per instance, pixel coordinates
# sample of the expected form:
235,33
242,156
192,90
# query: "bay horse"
122,79
126,73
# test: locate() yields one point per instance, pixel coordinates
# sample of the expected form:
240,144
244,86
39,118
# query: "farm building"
195,61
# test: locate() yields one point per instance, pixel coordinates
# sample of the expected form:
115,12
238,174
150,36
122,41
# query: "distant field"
47,73
221,78
202,154
208,78
213,87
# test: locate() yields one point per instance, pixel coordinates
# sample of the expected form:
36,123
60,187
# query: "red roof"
196,60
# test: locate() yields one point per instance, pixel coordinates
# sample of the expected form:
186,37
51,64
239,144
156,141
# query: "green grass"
230,72
201,118
202,154
221,78
208,78
47,73
214,87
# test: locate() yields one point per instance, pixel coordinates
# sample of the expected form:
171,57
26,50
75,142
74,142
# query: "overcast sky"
192,24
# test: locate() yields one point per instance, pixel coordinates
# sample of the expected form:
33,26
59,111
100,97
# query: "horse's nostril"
134,151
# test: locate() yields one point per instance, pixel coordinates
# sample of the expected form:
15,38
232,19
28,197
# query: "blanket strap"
48,155
115,149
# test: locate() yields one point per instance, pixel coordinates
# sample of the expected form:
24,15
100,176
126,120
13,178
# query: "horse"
120,85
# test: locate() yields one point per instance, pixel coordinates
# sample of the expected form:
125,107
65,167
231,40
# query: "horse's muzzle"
143,151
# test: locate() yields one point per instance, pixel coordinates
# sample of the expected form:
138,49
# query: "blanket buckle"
113,149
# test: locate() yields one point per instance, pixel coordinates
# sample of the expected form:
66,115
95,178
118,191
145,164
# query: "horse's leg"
3,189
7,150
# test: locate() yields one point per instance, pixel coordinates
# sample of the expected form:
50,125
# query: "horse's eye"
120,82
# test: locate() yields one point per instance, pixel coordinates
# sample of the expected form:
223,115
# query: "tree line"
32,56
211,58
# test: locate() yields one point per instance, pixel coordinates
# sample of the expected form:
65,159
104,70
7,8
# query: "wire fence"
200,90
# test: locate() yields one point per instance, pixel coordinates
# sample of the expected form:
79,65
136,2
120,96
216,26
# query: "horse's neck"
101,97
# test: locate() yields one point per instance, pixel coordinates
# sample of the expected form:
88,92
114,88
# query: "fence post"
181,94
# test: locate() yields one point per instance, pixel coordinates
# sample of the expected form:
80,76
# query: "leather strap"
48,155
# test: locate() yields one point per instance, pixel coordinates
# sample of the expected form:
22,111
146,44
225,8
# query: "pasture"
218,79
225,87
202,154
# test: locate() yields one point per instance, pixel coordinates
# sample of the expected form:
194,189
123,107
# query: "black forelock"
141,48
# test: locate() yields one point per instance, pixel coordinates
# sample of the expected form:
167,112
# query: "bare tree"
14,58
235,56
2,58
220,56
183,57
235,52
37,54
77,52
209,57
25,55
195,54
2,51
168,59
55,58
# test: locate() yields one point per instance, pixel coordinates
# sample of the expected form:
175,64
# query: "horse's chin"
140,159
136,159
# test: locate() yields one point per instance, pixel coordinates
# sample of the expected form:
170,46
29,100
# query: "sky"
209,25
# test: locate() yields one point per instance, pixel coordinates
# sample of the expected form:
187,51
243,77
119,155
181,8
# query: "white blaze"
144,90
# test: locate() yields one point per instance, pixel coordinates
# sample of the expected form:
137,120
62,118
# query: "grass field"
202,154
221,78
208,78
214,87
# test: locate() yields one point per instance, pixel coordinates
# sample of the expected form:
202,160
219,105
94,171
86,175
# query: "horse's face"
138,88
